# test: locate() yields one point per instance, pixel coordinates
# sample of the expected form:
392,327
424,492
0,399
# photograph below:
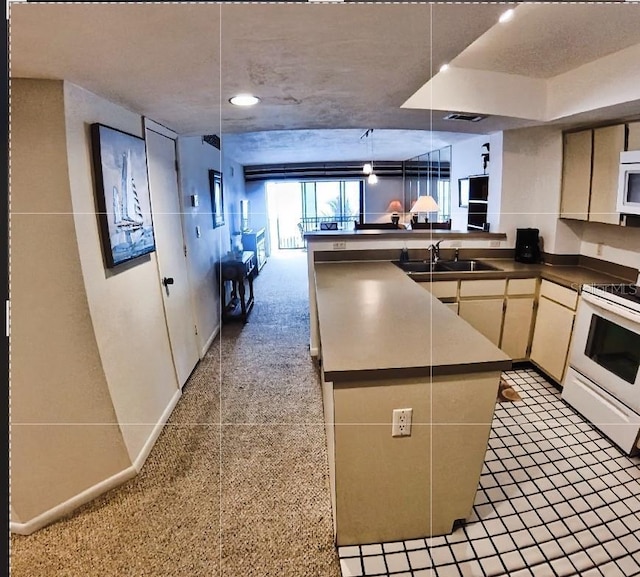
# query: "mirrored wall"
430,175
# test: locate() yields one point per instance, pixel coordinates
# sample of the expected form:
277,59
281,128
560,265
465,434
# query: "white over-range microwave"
629,183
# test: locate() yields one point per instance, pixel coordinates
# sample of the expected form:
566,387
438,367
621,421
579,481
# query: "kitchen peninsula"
386,344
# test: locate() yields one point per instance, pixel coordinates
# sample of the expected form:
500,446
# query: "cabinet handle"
167,281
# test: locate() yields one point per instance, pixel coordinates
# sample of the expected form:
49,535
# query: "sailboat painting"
122,194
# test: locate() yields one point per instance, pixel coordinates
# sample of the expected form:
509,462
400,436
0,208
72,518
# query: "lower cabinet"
484,315
481,305
516,331
553,328
502,310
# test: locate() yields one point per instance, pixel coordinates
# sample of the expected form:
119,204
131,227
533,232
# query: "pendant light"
367,168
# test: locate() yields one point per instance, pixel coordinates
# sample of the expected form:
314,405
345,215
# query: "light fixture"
395,206
244,100
367,167
444,68
424,204
506,16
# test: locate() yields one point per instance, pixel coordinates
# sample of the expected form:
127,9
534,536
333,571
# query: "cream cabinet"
518,317
633,136
481,304
502,310
553,328
608,143
576,175
590,160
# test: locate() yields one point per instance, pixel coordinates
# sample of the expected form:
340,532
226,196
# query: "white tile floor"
556,498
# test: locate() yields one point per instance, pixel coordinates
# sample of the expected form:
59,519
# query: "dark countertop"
404,234
569,276
375,324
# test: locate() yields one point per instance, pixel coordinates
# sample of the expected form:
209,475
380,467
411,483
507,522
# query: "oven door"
606,348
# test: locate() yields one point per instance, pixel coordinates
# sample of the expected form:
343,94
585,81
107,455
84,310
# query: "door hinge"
184,247
176,165
196,327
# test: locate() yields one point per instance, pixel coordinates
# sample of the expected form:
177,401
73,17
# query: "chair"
328,226
431,225
375,226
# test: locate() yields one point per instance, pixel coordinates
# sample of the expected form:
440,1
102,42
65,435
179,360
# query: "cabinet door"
576,175
608,143
551,337
633,141
518,317
484,315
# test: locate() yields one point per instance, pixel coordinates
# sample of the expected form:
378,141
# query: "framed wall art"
122,194
217,202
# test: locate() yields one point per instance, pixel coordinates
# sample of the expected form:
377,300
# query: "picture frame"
123,199
463,192
217,199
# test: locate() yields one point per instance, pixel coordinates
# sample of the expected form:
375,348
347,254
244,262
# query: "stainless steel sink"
465,265
420,266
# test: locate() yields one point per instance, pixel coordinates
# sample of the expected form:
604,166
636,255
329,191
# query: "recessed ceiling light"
444,68
506,16
244,100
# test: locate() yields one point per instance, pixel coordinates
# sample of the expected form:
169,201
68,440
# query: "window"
299,207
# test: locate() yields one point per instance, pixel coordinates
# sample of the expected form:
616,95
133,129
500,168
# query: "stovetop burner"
627,294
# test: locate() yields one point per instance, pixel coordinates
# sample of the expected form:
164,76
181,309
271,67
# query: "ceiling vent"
212,139
465,117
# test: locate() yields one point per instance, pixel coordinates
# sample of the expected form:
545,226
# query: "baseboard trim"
139,461
68,506
59,511
209,342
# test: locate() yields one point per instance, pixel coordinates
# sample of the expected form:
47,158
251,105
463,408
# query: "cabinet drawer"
559,294
447,289
521,286
482,288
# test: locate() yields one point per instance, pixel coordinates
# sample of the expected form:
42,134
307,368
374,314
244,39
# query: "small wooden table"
239,269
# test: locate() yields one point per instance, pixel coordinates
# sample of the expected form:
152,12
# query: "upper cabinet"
576,175
590,163
633,137
608,143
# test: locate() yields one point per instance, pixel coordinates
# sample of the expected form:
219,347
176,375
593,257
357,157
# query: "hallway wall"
65,436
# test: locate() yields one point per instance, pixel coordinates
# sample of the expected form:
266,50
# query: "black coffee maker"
527,245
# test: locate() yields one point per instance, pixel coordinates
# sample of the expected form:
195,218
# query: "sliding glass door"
299,207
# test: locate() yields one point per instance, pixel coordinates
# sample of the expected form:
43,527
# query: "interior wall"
466,160
65,436
611,243
125,303
378,196
196,158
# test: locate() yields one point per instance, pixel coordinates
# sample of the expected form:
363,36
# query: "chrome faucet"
434,251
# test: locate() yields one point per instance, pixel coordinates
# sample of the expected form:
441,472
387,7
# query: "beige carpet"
237,483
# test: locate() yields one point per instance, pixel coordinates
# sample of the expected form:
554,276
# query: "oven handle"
607,306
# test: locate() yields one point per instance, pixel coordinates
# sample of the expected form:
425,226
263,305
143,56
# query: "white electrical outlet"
401,422
340,245
455,244
599,249
494,243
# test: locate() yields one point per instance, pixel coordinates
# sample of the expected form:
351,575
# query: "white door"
172,262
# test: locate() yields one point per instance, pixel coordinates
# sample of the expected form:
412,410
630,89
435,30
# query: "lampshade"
424,204
394,206
367,168
372,178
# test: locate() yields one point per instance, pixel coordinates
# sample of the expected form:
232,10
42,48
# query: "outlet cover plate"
401,422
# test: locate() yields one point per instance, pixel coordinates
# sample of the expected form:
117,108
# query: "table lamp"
395,206
423,204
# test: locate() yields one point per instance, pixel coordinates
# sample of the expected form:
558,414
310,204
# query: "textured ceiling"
316,67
